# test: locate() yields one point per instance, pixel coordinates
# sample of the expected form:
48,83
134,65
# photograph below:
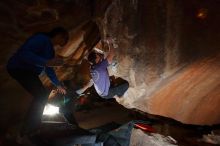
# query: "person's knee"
125,86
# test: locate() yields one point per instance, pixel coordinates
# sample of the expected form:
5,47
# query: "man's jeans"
67,102
118,90
68,107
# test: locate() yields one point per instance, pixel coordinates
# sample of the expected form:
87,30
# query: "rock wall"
169,55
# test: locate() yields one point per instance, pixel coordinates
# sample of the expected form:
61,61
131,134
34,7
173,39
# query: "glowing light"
202,13
50,110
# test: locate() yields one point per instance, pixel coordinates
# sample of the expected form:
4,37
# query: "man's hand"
55,62
61,90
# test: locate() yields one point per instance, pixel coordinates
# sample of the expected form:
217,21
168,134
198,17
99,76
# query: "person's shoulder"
102,64
105,60
40,37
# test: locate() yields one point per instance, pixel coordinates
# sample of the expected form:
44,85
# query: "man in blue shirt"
100,77
35,56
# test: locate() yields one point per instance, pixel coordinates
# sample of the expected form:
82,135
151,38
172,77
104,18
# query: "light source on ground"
51,110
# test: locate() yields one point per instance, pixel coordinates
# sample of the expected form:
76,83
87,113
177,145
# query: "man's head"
59,36
95,57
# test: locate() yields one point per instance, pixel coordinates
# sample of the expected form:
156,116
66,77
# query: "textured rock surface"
140,138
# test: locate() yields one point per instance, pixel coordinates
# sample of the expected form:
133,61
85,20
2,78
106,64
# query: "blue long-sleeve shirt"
33,56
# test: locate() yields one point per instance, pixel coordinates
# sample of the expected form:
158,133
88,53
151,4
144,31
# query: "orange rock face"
192,94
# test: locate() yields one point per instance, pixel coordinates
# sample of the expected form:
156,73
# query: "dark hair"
59,31
92,57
